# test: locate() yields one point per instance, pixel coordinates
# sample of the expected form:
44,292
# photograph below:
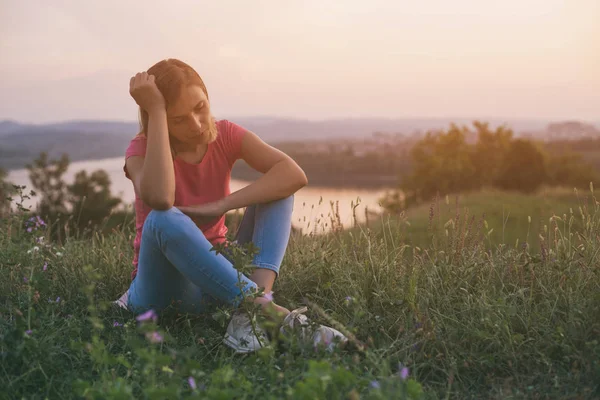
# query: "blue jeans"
176,264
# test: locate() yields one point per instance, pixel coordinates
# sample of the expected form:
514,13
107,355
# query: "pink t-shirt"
195,183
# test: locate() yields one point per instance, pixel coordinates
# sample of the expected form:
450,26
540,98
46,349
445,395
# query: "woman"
180,166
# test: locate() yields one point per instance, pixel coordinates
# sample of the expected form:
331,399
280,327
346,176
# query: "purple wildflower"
375,385
269,296
40,221
45,267
150,314
116,324
192,382
29,229
25,279
154,337
28,332
58,299
404,373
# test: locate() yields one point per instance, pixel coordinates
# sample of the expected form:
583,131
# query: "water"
312,206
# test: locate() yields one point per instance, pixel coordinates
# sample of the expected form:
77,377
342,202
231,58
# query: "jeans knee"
162,218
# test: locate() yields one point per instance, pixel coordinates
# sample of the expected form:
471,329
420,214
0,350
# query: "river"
312,206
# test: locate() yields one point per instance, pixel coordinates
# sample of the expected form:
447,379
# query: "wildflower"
154,337
28,332
35,248
25,279
150,314
29,230
116,324
58,299
45,267
375,385
58,254
403,371
192,382
269,296
348,300
40,221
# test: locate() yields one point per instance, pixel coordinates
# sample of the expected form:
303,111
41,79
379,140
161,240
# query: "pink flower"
116,324
404,373
154,337
45,267
192,382
269,296
150,314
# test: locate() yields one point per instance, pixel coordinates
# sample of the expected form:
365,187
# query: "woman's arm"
282,176
157,178
154,176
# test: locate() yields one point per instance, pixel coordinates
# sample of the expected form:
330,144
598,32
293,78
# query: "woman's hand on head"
144,91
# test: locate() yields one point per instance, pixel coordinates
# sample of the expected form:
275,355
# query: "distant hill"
85,140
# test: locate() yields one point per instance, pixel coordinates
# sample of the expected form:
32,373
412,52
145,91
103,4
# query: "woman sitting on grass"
180,166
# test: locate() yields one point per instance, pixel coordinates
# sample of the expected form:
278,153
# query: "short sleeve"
232,140
137,147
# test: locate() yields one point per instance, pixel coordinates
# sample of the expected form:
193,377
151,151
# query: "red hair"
171,75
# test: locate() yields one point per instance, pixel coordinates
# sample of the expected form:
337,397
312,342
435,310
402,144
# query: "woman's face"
189,119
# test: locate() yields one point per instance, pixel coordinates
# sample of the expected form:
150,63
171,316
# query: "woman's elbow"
158,203
303,180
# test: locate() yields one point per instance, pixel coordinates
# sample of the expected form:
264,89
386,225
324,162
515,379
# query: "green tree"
490,152
6,189
80,207
90,199
442,162
524,167
570,169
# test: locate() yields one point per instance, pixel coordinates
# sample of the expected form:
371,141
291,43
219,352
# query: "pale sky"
313,59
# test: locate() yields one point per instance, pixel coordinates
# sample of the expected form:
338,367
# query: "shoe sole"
236,345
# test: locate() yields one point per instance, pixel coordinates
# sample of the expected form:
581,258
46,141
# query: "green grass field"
512,216
468,312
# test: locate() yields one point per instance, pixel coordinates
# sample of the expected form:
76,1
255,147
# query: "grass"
468,312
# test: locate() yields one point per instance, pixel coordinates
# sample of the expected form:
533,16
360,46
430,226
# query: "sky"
311,59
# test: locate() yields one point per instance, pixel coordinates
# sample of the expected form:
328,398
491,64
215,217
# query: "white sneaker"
320,335
122,301
241,337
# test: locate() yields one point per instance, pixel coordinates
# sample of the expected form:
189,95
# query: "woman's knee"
166,219
171,221
159,216
286,202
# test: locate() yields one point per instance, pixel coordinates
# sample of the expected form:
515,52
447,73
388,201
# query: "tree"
46,179
524,167
442,162
6,189
490,152
90,198
77,207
